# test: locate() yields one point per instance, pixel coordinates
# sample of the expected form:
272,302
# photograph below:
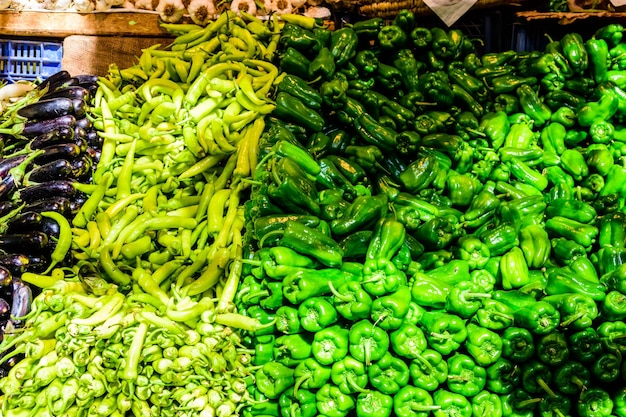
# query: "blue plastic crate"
28,60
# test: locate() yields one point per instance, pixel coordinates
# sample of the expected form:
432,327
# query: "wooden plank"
565,18
93,54
61,24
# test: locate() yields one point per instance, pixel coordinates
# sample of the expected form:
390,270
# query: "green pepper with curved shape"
444,332
465,376
465,299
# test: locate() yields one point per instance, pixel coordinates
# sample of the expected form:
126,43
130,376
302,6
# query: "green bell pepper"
452,404
388,310
316,313
331,402
372,403
274,378
503,377
291,349
367,342
310,374
483,345
330,345
413,401
349,375
389,374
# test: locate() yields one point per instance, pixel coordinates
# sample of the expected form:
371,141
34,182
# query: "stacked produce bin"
274,217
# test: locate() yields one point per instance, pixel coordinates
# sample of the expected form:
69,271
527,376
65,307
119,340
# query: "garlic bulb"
171,11
146,4
278,6
297,3
201,12
248,6
318,12
84,6
5,4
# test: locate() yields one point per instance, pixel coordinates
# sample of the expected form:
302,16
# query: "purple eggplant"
79,108
7,164
7,187
32,242
47,109
18,263
87,79
48,189
36,128
5,310
81,167
21,301
6,283
54,80
63,134
53,170
32,221
71,92
84,123
77,202
24,221
7,206
58,151
58,204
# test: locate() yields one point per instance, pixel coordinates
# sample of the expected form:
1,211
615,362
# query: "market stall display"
376,219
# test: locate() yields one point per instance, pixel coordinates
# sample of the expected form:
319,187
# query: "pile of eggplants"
48,148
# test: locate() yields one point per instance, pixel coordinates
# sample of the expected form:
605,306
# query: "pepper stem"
421,407
352,383
300,381
572,319
531,401
543,384
339,296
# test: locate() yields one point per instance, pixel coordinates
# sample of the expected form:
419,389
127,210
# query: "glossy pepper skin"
332,402
389,374
368,343
273,379
292,109
352,301
388,310
308,241
349,374
373,403
444,332
343,44
310,374
412,400
483,345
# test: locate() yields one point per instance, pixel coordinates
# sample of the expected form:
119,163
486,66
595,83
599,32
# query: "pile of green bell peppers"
433,230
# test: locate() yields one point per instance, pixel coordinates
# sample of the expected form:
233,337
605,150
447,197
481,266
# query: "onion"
10,91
